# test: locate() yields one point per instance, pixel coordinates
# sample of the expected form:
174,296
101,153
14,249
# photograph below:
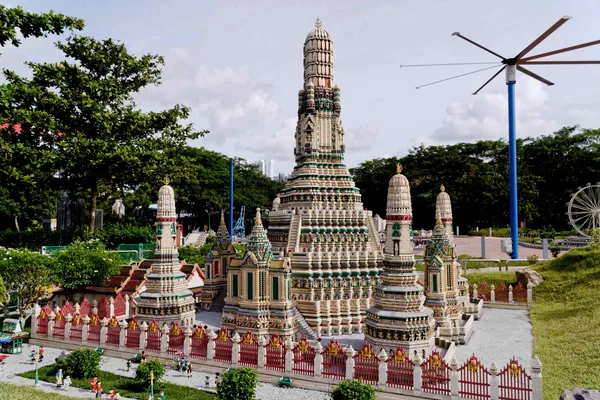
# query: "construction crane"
239,231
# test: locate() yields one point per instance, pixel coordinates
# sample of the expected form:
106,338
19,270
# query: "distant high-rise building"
262,166
270,168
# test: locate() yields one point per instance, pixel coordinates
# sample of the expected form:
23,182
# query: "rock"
528,275
580,394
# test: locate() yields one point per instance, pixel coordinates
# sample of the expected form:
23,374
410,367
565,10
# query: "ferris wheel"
584,209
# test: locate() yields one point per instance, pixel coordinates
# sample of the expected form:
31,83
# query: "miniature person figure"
189,369
41,353
94,384
128,365
217,379
162,396
182,366
99,391
59,378
176,361
207,381
67,382
33,354
117,396
111,394
143,356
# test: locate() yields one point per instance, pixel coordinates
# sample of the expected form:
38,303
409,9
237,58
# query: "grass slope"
16,392
127,387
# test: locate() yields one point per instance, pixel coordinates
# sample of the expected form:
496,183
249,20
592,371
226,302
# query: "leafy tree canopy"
238,384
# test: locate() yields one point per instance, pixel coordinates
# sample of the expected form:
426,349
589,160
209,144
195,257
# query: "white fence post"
235,349
34,318
187,342
383,368
492,293
536,379
494,389
289,355
210,346
262,352
318,359
111,307
529,293
454,386
417,374
510,294
350,352
143,335
51,318
475,291
68,319
103,330
123,334
85,329
164,340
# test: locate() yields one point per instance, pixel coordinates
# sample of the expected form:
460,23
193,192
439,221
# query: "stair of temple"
196,239
305,329
373,232
219,301
293,237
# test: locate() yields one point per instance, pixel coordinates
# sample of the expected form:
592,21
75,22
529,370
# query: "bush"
555,250
532,259
353,390
211,238
194,255
239,384
142,373
81,363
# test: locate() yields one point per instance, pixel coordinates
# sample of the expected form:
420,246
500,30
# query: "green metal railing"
127,252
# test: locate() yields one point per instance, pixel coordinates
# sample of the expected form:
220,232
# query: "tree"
81,363
353,390
4,297
26,276
83,264
98,135
33,25
238,384
142,372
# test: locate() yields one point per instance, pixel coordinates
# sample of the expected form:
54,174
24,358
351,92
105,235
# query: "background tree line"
475,175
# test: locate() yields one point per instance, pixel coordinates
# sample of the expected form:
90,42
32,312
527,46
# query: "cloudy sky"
238,65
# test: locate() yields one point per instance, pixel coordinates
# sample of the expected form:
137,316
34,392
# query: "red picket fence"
400,370
366,365
76,328
483,291
501,293
68,309
85,308
59,325
42,320
334,361
249,350
94,329
153,337
473,380
132,340
223,346
514,382
176,339
113,332
436,375
103,308
520,293
275,350
199,347
304,358
119,305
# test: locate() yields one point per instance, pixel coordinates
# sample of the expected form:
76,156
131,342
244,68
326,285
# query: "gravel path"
20,363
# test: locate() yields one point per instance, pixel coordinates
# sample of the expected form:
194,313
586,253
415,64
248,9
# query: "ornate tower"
259,289
443,212
399,317
167,298
320,221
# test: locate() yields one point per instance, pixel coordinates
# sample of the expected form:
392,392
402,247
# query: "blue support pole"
512,172
231,197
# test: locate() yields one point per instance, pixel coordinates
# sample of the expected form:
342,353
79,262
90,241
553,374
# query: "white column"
262,352
164,339
51,318
382,368
77,308
103,330
475,291
111,307
492,293
143,335
510,294
68,319
529,293
95,307
454,386
85,329
34,318
417,373
289,355
494,389
318,359
210,347
537,391
350,362
235,349
123,335
187,342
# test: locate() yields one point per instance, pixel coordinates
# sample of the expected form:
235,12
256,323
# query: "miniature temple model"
319,221
167,298
443,212
215,269
398,317
259,289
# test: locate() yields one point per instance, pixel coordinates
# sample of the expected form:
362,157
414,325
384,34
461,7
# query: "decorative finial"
438,221
167,181
398,168
257,219
443,188
222,216
318,23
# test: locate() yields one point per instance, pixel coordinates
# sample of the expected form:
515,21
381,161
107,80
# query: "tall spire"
222,238
318,57
258,242
443,212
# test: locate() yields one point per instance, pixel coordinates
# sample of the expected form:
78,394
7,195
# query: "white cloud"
280,146
361,138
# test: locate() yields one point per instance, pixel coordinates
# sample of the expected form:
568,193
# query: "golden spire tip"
318,23
167,181
398,168
443,188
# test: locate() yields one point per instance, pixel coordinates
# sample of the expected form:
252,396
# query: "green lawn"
127,387
495,278
16,392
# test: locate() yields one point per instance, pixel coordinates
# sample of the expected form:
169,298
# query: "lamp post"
152,385
36,358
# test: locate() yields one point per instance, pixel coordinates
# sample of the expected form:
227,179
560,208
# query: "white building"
267,168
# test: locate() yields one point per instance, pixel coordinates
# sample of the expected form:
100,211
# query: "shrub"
532,259
210,238
353,390
555,250
239,384
194,255
81,363
142,373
